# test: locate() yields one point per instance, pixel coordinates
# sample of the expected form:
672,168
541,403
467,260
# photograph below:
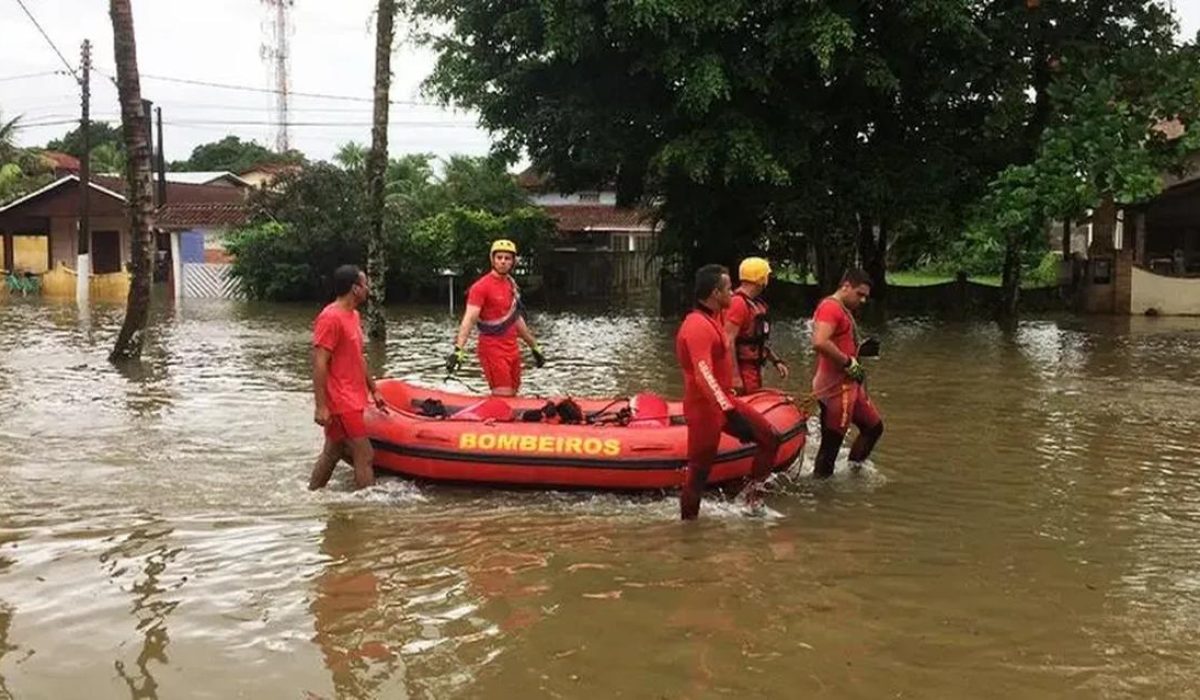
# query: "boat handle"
430,435
649,448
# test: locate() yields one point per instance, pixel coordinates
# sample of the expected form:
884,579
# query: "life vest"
502,324
753,347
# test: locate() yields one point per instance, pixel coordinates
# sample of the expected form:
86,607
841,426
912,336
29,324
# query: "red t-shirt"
702,338
829,375
340,332
495,296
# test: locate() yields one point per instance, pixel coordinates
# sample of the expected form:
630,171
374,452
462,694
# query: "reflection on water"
1027,528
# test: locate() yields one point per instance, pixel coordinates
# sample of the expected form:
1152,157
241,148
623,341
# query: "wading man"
838,382
494,307
708,403
342,385
748,328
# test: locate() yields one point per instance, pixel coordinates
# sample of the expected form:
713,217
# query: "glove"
454,359
737,426
539,360
855,370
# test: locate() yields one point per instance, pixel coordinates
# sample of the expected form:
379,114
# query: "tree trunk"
376,167
134,128
1010,282
872,253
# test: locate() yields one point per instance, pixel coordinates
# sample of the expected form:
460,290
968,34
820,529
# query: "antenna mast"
276,53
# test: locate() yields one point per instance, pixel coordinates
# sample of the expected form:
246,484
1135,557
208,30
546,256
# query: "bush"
315,220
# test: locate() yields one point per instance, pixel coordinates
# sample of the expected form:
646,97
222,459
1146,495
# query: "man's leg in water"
704,435
362,454
767,447
870,427
836,413
323,469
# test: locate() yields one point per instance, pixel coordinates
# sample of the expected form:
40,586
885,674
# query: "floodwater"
1030,527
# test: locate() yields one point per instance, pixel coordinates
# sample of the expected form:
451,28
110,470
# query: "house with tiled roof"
40,236
600,247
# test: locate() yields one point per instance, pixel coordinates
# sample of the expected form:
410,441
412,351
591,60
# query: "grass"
925,278
912,278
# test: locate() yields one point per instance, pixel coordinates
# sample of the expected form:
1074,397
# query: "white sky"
332,48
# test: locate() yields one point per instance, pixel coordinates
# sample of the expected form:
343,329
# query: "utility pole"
160,163
83,263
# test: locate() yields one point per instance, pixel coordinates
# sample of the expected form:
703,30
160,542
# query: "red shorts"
502,369
751,374
345,426
850,404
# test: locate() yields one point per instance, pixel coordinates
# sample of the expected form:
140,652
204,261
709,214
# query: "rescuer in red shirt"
838,382
708,403
749,328
342,385
494,307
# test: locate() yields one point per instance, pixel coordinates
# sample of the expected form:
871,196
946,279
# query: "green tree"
101,133
1041,47
754,125
317,219
107,158
234,155
8,138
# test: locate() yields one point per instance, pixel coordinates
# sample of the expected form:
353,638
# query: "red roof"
274,168
182,193
200,215
62,161
598,217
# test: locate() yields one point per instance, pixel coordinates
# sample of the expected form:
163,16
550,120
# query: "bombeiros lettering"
539,444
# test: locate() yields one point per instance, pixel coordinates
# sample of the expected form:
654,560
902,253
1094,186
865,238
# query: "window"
31,253
622,242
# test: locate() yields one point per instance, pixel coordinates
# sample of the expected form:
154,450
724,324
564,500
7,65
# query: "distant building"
39,232
266,174
1140,258
600,249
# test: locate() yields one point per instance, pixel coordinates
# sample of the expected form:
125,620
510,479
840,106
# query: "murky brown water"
1030,528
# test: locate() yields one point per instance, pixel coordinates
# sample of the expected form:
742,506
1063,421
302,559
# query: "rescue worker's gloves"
737,426
539,360
855,370
454,359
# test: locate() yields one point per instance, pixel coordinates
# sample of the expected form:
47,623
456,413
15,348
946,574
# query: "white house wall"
559,200
1169,296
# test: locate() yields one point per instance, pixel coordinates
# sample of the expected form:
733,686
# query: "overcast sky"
332,49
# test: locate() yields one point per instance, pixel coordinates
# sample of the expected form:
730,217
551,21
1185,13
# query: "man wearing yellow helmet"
748,328
494,307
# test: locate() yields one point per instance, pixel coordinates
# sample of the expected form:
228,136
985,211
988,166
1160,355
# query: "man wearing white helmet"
494,307
748,328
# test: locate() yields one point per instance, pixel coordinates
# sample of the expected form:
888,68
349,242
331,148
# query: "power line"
429,124
249,88
47,38
7,78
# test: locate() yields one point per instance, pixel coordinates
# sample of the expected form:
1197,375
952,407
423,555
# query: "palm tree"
137,175
376,166
8,138
351,156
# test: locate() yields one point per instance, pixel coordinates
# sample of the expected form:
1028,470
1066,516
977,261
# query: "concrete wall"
1170,296
64,234
60,282
1114,295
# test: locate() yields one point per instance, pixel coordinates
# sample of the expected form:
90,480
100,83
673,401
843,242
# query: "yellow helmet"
503,245
754,270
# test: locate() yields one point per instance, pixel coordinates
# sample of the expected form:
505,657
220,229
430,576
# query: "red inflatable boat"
621,444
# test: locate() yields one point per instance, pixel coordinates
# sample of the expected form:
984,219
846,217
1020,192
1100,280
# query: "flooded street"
1030,527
